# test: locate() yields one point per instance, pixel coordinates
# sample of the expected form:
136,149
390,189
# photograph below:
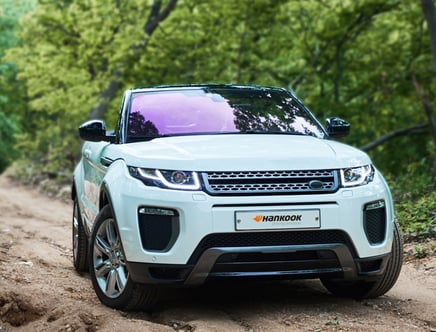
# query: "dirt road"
40,291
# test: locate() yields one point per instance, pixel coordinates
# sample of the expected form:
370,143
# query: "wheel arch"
109,187
73,191
105,198
111,192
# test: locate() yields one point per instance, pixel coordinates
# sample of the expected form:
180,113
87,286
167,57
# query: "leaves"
353,59
8,128
418,217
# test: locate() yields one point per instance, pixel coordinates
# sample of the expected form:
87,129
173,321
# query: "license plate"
277,219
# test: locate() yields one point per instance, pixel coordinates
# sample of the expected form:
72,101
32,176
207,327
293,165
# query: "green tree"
429,11
355,59
73,58
12,91
7,129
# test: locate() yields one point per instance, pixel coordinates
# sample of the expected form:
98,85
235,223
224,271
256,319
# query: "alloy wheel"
108,260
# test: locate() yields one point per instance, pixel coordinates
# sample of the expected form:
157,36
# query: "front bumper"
338,248
338,262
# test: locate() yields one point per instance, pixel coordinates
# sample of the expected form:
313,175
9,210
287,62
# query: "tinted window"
217,111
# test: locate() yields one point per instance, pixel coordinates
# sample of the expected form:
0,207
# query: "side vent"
374,221
159,228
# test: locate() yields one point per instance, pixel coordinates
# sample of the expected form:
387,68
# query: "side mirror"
95,131
337,127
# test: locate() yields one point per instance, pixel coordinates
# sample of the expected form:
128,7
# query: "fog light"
374,205
156,211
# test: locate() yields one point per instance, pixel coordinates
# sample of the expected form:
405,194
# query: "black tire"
80,241
365,290
108,269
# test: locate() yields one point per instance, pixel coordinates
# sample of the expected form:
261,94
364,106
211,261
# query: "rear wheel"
80,241
108,269
364,289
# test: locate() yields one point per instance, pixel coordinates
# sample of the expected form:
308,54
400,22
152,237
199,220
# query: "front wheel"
364,289
108,269
80,241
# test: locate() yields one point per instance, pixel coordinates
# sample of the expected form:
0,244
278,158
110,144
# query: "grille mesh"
222,240
271,182
375,225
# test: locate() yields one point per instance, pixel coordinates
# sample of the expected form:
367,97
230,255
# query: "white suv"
212,182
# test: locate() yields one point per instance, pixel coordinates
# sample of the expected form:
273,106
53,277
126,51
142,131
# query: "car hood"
239,152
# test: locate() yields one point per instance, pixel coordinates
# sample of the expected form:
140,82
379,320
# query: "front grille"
255,239
272,262
271,182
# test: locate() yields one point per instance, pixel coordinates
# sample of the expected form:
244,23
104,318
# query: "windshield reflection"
217,111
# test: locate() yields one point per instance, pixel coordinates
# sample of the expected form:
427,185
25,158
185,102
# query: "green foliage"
354,59
418,216
69,53
415,200
422,250
12,92
8,128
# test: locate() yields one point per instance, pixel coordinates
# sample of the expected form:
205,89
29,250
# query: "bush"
418,217
8,129
415,203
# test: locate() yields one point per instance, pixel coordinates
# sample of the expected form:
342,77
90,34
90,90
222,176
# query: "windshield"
217,111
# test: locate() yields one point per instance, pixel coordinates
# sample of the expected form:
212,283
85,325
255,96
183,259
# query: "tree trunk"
108,94
242,41
420,128
429,11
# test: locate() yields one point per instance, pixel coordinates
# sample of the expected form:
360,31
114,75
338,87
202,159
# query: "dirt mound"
17,309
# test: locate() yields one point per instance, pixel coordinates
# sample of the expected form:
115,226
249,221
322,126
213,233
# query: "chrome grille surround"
271,182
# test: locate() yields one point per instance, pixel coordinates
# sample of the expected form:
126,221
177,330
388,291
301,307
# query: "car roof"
205,86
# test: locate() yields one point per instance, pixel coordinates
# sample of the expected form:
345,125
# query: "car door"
94,172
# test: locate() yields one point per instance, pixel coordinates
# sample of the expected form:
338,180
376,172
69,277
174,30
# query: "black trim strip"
274,204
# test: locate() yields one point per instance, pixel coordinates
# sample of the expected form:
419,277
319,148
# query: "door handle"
87,153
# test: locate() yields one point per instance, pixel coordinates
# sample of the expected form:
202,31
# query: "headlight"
357,176
183,180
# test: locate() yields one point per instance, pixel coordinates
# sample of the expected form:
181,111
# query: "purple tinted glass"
214,111
180,112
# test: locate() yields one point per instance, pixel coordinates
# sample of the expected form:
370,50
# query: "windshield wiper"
141,138
270,132
145,138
